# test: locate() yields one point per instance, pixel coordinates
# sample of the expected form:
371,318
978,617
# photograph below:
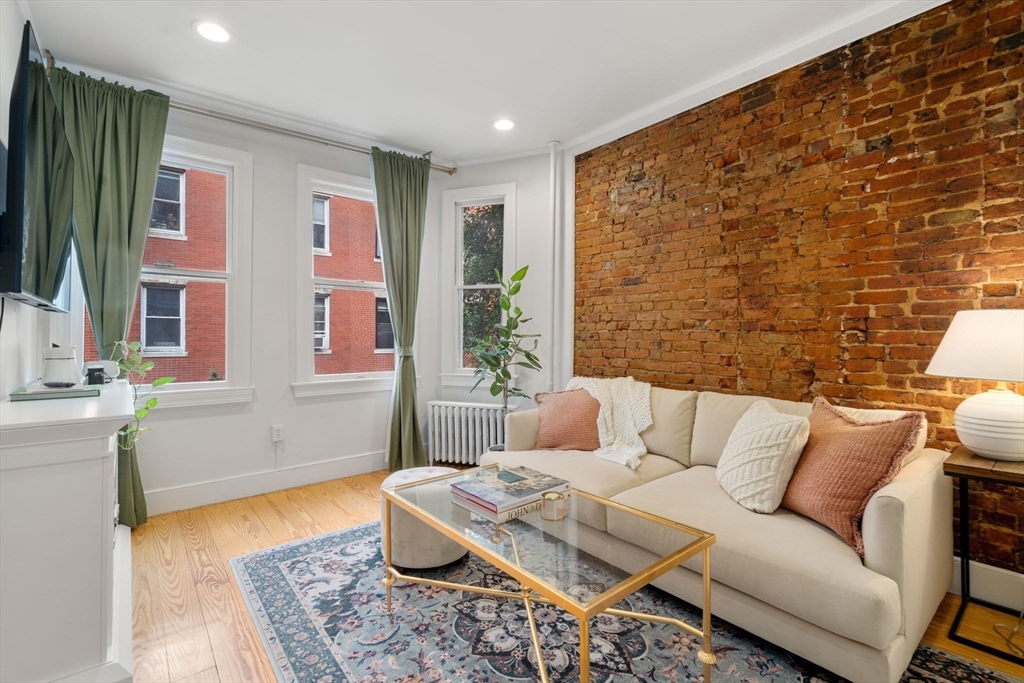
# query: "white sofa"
781,576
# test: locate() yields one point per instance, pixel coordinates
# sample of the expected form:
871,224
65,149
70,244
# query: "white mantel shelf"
45,421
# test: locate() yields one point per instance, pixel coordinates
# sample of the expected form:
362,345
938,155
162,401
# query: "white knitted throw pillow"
760,455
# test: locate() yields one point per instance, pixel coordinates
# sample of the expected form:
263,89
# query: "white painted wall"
25,329
531,177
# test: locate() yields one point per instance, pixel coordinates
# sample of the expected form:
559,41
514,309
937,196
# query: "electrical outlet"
276,433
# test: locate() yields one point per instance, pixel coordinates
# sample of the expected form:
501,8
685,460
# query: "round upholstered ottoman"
415,545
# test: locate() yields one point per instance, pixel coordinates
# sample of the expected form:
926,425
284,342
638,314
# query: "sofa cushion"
783,559
672,429
846,460
717,415
568,421
760,456
589,473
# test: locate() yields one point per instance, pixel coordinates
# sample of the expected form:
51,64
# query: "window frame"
376,312
162,351
326,348
173,234
326,250
313,180
237,388
452,373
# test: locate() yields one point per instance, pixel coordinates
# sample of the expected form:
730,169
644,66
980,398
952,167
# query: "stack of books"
506,494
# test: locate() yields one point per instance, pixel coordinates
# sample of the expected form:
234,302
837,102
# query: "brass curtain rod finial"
50,62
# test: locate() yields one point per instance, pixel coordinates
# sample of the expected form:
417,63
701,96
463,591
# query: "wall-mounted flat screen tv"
35,230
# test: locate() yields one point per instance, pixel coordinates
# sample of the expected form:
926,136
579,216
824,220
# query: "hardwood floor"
189,620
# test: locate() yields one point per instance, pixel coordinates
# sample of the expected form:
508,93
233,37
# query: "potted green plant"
499,353
133,368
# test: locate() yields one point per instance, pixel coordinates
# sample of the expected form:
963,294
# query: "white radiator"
460,432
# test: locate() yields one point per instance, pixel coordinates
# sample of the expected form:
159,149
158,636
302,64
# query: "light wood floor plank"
202,540
148,644
237,649
185,635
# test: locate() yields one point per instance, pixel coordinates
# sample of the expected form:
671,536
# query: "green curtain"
117,137
400,192
49,191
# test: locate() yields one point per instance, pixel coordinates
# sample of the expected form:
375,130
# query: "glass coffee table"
548,558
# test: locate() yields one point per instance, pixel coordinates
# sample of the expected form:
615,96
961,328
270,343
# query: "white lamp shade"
986,344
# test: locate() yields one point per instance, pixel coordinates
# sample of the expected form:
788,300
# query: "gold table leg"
388,579
706,655
584,650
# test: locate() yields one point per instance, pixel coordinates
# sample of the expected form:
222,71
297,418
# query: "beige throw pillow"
844,463
760,455
568,421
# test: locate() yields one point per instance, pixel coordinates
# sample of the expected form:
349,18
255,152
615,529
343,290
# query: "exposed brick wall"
814,233
352,316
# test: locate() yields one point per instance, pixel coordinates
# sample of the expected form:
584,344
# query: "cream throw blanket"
625,412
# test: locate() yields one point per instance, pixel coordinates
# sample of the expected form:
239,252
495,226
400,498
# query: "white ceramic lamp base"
992,424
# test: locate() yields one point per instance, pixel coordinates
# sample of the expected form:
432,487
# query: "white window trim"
164,351
452,373
326,251
238,333
307,383
174,234
327,321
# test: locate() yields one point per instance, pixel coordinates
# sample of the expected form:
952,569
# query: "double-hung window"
167,219
478,242
192,314
343,299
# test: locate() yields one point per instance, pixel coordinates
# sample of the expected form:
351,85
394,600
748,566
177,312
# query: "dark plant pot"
496,448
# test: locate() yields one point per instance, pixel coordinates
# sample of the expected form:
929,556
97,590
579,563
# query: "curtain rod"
270,128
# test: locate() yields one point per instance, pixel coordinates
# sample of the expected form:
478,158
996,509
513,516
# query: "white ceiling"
434,75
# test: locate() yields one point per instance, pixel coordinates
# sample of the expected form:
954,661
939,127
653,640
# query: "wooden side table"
965,465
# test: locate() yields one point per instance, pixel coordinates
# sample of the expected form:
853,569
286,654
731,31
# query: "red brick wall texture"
814,233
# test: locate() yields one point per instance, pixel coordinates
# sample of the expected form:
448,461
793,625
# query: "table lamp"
986,344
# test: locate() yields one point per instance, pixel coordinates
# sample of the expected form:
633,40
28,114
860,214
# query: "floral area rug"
318,605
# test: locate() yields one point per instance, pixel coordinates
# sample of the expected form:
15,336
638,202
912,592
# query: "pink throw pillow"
844,463
568,421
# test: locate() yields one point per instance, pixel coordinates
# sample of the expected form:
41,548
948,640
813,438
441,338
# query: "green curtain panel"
400,191
117,137
50,191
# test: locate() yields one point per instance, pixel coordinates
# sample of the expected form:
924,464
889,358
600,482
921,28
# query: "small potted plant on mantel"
499,353
133,369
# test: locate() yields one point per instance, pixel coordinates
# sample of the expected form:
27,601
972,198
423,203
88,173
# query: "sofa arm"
908,537
521,429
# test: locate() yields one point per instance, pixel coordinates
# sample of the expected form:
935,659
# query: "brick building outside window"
351,327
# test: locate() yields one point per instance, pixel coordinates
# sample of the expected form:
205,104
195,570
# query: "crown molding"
874,18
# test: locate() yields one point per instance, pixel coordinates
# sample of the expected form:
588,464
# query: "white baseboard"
991,584
188,496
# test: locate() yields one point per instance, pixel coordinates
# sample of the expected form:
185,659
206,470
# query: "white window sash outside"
237,278
156,351
311,181
326,250
452,372
327,322
174,234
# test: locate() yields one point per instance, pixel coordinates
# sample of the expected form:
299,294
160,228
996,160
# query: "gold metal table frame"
536,591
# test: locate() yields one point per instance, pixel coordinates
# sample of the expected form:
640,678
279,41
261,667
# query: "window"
163,318
168,213
385,338
376,246
321,224
342,296
321,316
478,248
193,312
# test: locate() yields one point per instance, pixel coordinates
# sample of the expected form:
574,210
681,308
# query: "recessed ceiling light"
212,31
504,124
